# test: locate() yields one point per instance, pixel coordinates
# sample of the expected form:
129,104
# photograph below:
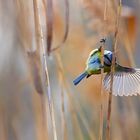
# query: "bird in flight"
126,81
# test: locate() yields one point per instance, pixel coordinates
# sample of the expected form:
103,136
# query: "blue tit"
126,80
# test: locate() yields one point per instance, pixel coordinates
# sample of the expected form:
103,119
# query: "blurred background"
38,100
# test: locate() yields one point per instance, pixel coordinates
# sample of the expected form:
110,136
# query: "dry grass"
38,99
108,131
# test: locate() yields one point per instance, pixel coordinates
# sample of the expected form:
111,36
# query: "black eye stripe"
107,58
107,61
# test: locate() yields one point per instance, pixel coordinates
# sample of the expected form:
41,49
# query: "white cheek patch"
107,57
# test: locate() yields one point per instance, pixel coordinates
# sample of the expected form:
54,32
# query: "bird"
126,81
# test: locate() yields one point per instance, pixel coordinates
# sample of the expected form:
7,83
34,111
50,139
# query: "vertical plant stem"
3,122
49,23
44,114
101,105
40,45
72,109
77,107
43,104
64,129
102,77
112,72
105,10
66,25
66,20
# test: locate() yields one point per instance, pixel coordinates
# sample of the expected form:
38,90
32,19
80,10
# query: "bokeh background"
38,100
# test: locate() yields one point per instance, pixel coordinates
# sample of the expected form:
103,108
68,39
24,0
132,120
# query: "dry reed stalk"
66,25
72,109
66,20
35,65
113,70
37,30
40,45
102,76
49,23
101,92
3,126
64,128
77,127
63,84
41,122
49,15
71,101
25,38
105,10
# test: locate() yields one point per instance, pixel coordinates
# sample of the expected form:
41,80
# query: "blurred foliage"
37,98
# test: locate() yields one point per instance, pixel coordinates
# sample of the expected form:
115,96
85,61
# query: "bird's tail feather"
80,77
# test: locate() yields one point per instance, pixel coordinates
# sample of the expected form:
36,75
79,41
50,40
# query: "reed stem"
108,133
102,76
40,45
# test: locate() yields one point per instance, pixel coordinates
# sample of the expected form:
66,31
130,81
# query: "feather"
126,81
80,77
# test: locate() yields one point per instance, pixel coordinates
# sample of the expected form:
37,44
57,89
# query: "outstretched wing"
125,83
